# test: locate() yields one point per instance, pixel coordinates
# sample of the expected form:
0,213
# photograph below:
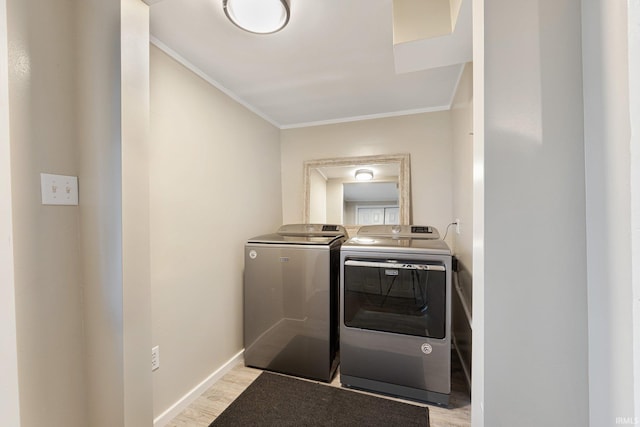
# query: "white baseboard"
182,403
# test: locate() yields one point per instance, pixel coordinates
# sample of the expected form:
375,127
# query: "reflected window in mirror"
370,203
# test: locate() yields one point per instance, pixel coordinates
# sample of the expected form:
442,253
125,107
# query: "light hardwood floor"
215,400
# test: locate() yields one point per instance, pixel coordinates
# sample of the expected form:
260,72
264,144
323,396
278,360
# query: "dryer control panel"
399,231
311,230
421,229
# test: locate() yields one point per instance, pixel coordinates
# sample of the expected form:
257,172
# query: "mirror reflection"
358,190
367,203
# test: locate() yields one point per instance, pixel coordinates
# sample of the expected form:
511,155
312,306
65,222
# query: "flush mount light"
258,16
364,174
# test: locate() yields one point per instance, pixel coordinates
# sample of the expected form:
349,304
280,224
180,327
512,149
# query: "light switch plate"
59,189
155,358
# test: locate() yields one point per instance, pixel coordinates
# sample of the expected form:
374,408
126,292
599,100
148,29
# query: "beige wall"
111,146
426,137
335,202
100,185
462,136
318,197
215,181
46,248
78,333
462,243
136,282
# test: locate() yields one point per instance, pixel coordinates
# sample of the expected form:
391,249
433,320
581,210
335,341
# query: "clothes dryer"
395,312
291,294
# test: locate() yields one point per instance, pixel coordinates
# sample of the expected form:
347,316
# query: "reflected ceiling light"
364,174
258,16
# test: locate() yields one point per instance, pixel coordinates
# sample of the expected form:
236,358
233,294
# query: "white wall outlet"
59,189
457,221
155,358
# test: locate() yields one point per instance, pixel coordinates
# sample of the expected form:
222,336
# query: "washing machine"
395,312
291,300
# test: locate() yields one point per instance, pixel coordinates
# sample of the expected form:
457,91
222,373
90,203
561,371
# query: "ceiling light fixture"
258,16
364,174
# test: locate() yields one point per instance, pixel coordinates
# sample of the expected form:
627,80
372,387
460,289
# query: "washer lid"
317,230
304,234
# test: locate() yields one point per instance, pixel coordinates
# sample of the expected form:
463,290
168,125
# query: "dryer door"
396,296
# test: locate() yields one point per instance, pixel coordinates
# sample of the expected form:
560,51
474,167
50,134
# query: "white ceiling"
370,192
335,61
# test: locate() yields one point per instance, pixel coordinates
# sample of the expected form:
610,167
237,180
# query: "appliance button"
426,348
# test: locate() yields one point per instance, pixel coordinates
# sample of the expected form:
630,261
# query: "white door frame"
9,398
477,355
633,19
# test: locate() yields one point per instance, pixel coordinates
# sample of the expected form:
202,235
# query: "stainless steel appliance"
291,291
395,312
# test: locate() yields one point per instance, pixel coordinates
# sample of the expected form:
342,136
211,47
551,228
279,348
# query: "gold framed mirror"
332,194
